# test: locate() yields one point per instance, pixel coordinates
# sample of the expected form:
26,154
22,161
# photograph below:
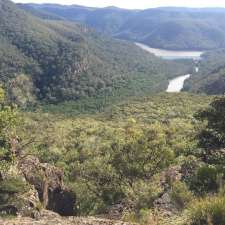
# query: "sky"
134,4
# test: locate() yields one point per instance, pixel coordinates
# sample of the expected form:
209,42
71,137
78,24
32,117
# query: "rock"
22,204
62,202
17,197
189,167
163,203
50,218
48,181
117,211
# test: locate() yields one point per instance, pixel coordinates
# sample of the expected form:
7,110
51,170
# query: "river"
176,84
169,54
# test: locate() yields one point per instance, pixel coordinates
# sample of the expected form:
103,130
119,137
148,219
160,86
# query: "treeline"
55,61
169,28
211,76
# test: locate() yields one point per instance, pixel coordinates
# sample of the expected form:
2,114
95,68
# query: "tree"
8,121
212,137
142,156
109,169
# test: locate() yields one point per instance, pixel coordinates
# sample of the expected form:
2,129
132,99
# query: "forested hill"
55,60
169,28
211,76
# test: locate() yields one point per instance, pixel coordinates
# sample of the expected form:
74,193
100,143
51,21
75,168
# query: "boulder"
17,197
48,181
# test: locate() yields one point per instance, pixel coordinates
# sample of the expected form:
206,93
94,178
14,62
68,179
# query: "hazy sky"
138,4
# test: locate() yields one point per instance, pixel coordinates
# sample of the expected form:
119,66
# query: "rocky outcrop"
164,203
50,218
34,185
17,197
172,174
48,181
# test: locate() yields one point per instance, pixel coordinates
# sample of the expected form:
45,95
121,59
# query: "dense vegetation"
211,76
57,61
8,122
160,158
120,156
110,157
169,28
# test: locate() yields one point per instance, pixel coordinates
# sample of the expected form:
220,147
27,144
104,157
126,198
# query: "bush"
208,211
143,217
180,195
13,185
205,180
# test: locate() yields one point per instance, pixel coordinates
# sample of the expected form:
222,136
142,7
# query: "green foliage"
145,216
10,188
111,170
21,91
212,136
208,211
169,28
210,78
142,156
2,95
60,61
8,121
207,179
13,185
181,195
121,154
116,155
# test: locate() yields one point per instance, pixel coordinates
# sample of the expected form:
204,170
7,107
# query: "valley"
176,84
99,128
171,28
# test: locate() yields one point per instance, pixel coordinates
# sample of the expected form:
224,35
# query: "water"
167,54
177,84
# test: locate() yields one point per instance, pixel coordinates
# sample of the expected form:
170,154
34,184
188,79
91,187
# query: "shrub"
180,195
13,185
143,217
208,211
205,180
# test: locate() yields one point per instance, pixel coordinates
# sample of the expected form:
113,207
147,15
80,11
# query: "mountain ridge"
54,60
175,28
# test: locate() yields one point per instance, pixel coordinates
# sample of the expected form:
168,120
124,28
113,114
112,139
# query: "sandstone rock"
172,174
48,181
164,203
50,218
17,197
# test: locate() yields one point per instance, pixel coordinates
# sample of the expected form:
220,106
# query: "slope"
55,60
211,76
169,28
